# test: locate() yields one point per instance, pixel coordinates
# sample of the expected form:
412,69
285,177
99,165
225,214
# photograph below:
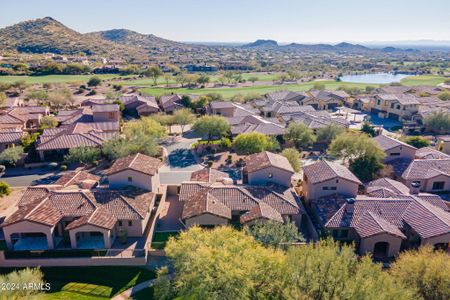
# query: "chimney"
350,205
415,188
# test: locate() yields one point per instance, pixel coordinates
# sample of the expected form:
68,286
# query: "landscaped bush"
5,190
11,156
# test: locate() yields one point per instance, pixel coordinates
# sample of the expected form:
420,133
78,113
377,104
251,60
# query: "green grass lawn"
431,80
91,283
56,78
230,92
160,239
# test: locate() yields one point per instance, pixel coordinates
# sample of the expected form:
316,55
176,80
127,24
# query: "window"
392,105
130,223
130,179
333,188
398,106
120,223
329,188
379,102
395,154
438,185
337,180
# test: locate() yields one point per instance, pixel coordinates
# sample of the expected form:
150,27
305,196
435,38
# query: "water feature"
378,78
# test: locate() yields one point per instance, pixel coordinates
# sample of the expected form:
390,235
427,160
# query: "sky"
247,20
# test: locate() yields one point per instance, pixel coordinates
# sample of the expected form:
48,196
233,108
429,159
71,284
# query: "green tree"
5,189
425,271
24,277
28,140
293,156
253,79
444,95
203,79
2,99
138,143
211,127
300,135
318,86
367,128
252,142
83,155
94,81
438,122
153,72
183,117
329,270
11,156
329,133
275,234
363,154
48,122
417,141
146,126
222,263
38,95
19,85
60,97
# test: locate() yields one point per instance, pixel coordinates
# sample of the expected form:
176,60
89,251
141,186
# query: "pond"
377,78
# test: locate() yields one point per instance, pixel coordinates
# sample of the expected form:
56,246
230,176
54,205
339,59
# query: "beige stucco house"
443,144
395,149
395,106
136,170
106,113
326,178
431,175
267,168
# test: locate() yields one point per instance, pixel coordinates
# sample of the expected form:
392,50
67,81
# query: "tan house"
325,178
395,149
430,153
23,117
383,226
10,138
211,204
267,168
136,170
70,217
326,100
431,175
106,113
398,107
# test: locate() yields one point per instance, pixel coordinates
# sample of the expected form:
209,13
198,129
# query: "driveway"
170,215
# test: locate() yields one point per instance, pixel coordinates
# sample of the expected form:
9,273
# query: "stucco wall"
367,244
105,116
405,152
205,219
278,176
28,227
445,238
427,185
343,187
119,180
225,112
90,228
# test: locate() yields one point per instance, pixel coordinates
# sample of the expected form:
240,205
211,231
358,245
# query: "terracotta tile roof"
395,186
266,129
99,207
427,168
261,211
75,135
203,202
387,143
105,108
137,162
284,96
7,119
422,216
371,224
430,153
169,100
208,175
265,159
82,179
325,170
11,136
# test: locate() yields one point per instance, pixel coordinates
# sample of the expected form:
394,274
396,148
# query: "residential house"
207,204
24,117
169,103
397,107
431,175
267,168
137,170
383,226
10,138
230,109
92,102
318,119
210,175
57,217
54,143
443,144
140,105
106,113
326,100
395,149
325,178
430,153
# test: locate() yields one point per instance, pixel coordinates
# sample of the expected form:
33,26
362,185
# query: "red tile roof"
426,169
325,170
371,224
137,162
266,159
387,143
209,175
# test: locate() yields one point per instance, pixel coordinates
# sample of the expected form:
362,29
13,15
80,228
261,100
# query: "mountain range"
49,35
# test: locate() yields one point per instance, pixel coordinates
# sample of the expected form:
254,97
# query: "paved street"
19,177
